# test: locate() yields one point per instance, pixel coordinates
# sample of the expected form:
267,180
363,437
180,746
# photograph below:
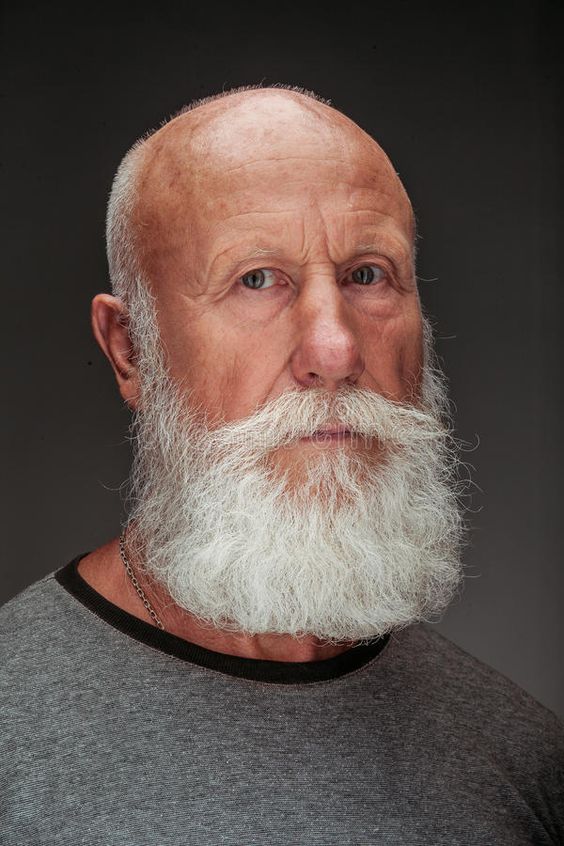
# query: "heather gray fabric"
108,740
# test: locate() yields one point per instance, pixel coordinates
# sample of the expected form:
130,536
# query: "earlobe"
110,327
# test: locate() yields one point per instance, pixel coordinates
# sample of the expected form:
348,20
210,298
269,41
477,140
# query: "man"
249,661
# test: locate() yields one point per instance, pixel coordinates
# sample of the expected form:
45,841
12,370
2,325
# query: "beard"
363,542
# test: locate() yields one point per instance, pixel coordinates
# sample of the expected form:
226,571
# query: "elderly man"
250,661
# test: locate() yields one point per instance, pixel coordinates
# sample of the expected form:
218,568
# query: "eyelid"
254,269
370,262
380,264
387,265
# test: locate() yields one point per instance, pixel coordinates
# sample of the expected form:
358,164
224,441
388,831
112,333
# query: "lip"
335,430
332,432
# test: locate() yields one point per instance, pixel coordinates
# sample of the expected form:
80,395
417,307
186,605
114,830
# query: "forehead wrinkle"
368,224
278,160
375,236
171,167
254,212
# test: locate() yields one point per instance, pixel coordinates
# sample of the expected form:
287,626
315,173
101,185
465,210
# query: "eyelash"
386,276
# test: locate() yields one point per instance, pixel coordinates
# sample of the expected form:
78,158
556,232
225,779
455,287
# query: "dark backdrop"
464,99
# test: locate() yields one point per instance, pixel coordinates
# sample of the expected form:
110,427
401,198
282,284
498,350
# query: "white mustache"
300,414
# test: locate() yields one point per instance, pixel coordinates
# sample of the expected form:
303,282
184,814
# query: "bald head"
272,122
178,175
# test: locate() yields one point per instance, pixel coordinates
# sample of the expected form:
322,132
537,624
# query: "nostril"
312,379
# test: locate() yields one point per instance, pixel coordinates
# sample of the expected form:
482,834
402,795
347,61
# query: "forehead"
261,171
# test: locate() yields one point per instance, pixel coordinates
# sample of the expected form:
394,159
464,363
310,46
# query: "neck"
104,571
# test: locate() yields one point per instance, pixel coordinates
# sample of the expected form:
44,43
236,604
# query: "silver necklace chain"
135,583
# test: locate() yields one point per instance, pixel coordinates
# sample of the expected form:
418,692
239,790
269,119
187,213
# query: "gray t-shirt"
117,733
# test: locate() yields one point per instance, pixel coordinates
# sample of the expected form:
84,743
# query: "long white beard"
359,547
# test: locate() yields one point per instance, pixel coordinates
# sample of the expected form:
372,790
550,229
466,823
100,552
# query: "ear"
110,327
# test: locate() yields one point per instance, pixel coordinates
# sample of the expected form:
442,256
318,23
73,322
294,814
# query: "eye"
368,274
257,279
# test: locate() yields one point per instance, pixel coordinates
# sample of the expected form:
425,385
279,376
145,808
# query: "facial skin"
296,188
271,181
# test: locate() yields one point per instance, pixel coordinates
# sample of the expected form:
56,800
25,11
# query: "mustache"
301,413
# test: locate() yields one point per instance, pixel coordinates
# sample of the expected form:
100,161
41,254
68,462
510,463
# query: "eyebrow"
360,249
396,249
258,252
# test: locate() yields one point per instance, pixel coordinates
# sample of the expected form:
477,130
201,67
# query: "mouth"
333,433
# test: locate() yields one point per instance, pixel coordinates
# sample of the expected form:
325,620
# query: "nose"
327,353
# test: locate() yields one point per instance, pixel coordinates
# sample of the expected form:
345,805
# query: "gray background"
463,98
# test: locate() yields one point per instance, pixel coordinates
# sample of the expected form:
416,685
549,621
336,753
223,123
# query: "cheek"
227,369
413,372
251,373
394,358
410,342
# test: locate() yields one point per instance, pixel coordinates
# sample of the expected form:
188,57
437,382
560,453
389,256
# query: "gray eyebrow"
368,248
396,251
258,252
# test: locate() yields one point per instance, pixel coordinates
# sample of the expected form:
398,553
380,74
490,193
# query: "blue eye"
258,279
367,274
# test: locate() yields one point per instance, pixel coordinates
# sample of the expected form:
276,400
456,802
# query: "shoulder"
471,696
29,606
36,625
477,731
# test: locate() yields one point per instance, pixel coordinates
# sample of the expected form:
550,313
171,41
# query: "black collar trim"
278,672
